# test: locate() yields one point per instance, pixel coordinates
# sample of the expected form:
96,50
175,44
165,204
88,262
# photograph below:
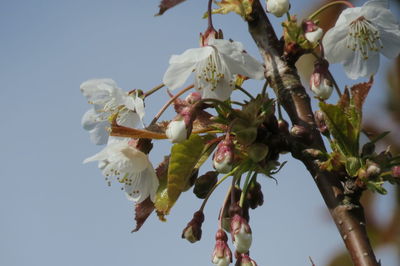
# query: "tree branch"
283,78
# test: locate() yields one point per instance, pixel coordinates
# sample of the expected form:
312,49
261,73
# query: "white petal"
143,185
246,66
391,43
347,16
335,45
191,55
99,134
356,66
230,48
139,107
89,119
377,3
100,156
128,119
177,74
98,90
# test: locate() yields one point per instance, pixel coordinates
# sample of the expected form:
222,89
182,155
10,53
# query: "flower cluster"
244,138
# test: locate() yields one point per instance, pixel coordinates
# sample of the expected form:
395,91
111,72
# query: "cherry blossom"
360,35
131,167
108,99
214,66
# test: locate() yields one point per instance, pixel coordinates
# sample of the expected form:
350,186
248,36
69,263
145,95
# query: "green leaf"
344,123
185,158
240,7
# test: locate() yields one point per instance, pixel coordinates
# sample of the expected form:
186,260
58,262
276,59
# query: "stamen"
363,37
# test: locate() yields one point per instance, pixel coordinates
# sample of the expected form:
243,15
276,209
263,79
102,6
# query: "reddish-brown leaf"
167,4
359,93
142,212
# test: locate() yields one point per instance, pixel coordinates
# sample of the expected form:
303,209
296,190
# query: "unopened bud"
193,97
192,231
176,131
396,171
241,234
320,121
283,126
258,151
373,170
222,255
312,32
223,157
204,183
320,82
245,260
255,196
278,7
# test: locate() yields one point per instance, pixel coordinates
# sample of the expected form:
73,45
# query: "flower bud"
222,255
283,126
320,121
396,171
278,7
373,170
204,183
255,196
193,97
312,32
245,260
192,231
241,234
177,131
320,82
180,128
258,152
223,157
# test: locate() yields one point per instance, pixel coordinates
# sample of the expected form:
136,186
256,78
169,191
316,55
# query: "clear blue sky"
56,211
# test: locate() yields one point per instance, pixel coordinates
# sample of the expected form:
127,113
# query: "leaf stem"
169,103
216,185
153,90
244,91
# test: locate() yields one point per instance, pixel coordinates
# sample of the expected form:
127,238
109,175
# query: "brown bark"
283,78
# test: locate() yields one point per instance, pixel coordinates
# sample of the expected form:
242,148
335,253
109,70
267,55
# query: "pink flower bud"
223,157
241,234
222,255
396,171
192,231
312,32
180,128
245,260
193,97
320,82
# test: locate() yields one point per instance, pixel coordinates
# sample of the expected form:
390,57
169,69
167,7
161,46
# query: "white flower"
214,66
360,35
278,7
131,167
107,99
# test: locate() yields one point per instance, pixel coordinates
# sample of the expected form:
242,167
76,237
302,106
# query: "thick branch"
283,78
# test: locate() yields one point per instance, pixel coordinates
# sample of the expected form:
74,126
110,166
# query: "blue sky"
56,211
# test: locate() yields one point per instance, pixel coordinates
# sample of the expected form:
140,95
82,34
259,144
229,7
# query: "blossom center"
211,72
363,37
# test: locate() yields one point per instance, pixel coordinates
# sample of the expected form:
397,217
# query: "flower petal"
142,185
377,3
391,43
356,66
139,107
192,55
99,135
89,119
246,66
177,74
335,45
